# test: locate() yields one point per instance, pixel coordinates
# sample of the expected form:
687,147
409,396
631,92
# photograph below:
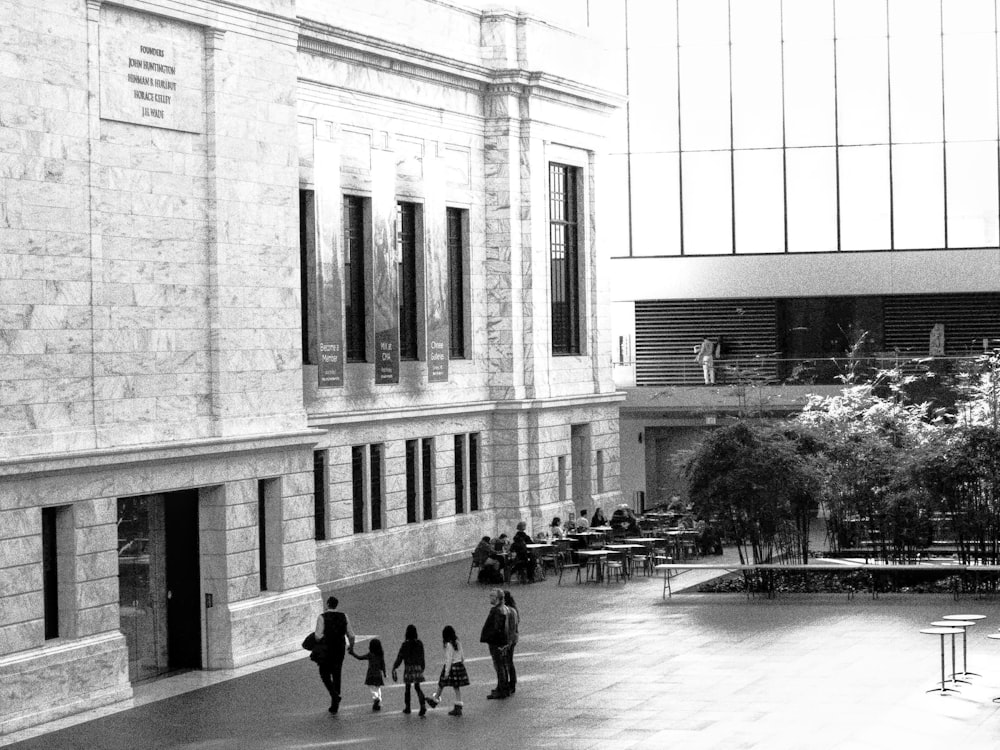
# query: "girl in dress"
376,671
411,656
453,672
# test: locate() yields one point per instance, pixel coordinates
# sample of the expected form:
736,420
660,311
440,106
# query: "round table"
963,624
598,557
967,618
942,631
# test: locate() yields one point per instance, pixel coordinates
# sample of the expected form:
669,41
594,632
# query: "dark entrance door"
183,580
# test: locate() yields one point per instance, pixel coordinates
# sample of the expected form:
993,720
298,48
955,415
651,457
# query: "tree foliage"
895,473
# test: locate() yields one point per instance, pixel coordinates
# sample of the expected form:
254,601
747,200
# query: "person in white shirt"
582,524
453,672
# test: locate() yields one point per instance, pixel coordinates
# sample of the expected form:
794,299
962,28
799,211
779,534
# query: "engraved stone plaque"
152,71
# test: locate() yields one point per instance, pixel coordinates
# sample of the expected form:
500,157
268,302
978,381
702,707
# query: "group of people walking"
335,639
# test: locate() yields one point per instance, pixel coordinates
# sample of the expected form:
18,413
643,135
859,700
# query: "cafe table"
942,631
629,550
588,536
598,556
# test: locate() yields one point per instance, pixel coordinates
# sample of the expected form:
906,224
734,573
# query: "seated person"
556,529
524,560
582,524
598,518
522,534
501,543
490,566
483,552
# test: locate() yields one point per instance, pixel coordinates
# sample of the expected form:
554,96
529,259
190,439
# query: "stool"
963,624
942,690
966,618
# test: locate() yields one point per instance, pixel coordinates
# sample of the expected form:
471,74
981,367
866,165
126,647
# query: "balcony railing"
777,370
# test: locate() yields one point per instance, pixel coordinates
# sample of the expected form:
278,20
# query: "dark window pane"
319,493
262,532
376,486
474,471
411,481
408,281
354,274
564,259
50,573
459,474
307,273
358,487
456,282
428,488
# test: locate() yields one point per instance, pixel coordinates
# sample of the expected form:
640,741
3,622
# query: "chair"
549,557
643,560
472,567
615,565
570,566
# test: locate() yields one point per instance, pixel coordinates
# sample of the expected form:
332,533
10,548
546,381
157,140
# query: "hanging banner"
385,268
436,269
329,280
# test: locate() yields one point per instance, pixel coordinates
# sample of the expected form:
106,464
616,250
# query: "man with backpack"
495,635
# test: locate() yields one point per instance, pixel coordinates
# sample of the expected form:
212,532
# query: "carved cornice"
341,44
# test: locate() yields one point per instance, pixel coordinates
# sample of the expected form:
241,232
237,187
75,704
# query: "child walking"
411,656
453,672
376,670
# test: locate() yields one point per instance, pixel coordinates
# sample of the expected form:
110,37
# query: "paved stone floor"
604,667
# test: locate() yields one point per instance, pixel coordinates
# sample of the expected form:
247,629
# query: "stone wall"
151,157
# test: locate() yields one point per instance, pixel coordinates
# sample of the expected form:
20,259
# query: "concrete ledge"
62,678
261,628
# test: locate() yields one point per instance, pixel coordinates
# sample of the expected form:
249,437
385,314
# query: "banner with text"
385,268
329,280
436,269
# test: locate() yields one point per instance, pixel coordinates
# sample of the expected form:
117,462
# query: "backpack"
511,623
490,575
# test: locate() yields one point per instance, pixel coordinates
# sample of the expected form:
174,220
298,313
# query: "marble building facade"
199,424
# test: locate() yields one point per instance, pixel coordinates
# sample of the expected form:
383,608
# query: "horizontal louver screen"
667,332
967,319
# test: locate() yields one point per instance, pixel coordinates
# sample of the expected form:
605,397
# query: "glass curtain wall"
773,126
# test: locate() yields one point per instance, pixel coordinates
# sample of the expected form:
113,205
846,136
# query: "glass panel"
755,22
138,610
812,199
918,196
653,84
809,93
967,16
919,18
860,18
915,62
864,198
708,213
862,91
704,98
970,85
757,95
703,21
656,210
760,206
972,194
810,21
